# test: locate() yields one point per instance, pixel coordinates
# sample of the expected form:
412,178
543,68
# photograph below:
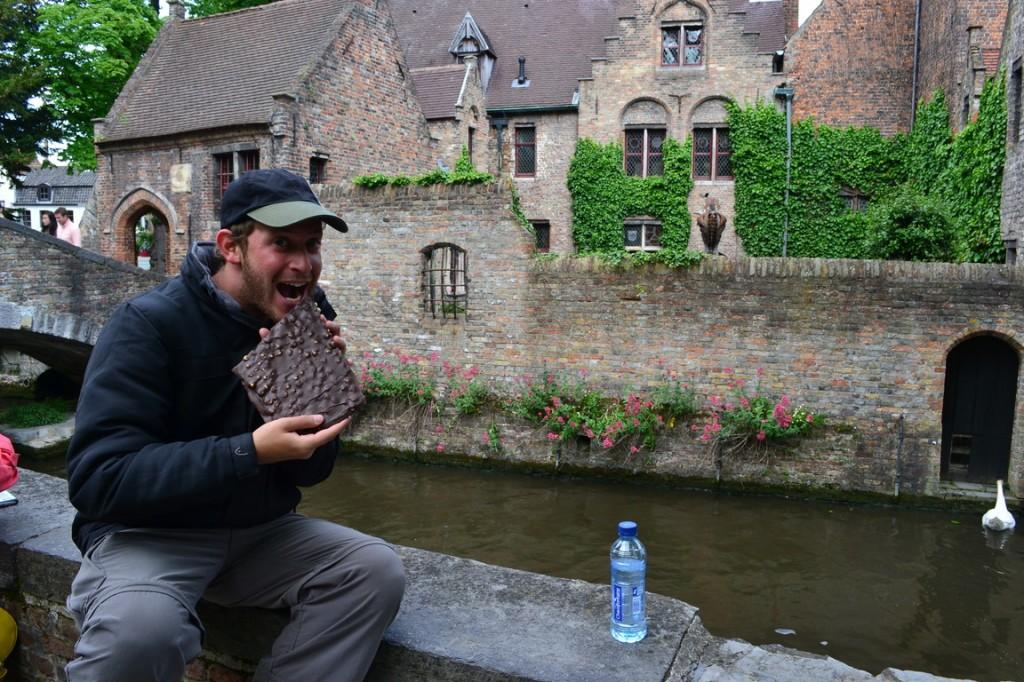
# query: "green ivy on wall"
464,174
603,196
916,184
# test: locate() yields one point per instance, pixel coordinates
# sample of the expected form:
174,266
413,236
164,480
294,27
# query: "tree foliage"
88,49
204,8
24,126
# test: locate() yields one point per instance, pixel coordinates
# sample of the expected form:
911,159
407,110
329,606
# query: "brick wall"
851,63
1012,217
42,271
881,356
950,30
546,195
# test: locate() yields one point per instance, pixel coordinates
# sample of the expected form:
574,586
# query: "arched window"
645,124
444,281
712,153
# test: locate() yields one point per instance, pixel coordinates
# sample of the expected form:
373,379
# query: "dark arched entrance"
978,408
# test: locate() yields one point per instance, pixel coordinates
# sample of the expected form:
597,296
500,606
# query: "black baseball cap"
274,197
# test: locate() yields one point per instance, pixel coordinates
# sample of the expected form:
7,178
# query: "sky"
806,7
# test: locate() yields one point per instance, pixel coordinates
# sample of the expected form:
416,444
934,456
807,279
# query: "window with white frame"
444,281
642,234
642,156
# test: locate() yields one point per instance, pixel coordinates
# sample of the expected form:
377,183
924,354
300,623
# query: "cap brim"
290,212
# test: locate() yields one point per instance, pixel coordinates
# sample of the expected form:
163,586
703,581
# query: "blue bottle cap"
627,528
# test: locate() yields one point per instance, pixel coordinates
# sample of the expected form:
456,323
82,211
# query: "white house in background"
44,189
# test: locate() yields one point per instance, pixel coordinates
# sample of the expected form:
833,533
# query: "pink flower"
556,401
633,449
784,401
552,435
561,420
760,371
744,402
728,370
440,447
435,356
761,435
607,442
438,429
810,418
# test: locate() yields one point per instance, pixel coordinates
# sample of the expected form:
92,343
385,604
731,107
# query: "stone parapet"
460,621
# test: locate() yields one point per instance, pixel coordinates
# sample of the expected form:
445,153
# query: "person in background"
183,491
48,223
66,228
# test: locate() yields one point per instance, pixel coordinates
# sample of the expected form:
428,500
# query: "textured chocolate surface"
296,370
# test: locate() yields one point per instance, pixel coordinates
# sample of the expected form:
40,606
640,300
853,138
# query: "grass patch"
27,415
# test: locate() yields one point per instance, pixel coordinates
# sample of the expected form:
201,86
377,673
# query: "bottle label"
629,597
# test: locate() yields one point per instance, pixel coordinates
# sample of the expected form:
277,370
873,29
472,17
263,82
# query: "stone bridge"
55,297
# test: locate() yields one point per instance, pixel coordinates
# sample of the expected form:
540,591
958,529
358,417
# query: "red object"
8,463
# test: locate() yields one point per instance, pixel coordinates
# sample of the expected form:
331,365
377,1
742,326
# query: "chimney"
522,71
176,10
791,8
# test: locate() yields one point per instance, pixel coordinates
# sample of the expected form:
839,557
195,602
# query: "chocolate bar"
296,370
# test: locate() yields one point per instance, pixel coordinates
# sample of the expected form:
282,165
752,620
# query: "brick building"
316,86
862,62
536,77
1012,210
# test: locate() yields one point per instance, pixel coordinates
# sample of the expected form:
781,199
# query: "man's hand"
335,329
281,440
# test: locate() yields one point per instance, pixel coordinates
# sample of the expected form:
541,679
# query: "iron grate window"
542,230
526,151
224,173
444,281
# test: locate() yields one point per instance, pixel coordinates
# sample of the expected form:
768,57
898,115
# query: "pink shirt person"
66,228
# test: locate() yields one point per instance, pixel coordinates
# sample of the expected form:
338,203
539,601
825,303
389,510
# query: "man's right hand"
281,440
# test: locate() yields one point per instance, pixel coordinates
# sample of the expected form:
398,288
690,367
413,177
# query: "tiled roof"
222,70
766,18
557,37
59,176
438,88
66,189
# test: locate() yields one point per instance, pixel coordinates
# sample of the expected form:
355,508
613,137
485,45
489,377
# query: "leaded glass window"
670,46
526,151
693,50
642,234
712,154
642,154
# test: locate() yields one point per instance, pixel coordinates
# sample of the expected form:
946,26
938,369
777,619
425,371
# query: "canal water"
874,587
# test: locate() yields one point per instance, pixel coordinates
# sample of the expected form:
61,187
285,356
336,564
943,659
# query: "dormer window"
468,46
682,45
43,193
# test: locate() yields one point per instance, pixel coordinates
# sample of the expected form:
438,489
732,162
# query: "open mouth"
291,292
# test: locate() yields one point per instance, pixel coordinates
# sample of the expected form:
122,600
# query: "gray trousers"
134,598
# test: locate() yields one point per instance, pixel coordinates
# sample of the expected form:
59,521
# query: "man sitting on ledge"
183,492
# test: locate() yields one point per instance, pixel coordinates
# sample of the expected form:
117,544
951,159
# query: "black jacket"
163,430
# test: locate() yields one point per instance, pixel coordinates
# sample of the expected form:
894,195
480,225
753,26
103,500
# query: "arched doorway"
978,408
150,246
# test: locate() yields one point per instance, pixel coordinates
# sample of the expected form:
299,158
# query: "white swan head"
999,517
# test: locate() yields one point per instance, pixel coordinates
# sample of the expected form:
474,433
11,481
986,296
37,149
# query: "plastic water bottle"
629,599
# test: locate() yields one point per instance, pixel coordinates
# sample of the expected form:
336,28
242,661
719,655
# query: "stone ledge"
461,620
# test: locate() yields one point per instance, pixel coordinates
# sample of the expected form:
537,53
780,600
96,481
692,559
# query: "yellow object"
8,636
